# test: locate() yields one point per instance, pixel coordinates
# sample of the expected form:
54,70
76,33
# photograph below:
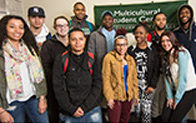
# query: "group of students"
89,74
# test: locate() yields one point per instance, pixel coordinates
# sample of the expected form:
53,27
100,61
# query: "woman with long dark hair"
22,84
179,76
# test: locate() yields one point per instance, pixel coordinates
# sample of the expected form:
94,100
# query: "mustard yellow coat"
113,77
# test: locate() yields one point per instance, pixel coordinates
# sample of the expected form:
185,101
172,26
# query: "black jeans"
185,104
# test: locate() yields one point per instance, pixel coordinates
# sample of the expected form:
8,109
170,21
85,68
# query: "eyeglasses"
121,45
61,25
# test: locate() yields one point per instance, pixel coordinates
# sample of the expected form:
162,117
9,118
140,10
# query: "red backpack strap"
65,60
91,60
149,37
154,32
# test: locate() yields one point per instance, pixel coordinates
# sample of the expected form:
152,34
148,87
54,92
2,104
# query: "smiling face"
140,35
15,30
79,11
160,21
77,42
166,43
121,46
61,27
185,16
108,21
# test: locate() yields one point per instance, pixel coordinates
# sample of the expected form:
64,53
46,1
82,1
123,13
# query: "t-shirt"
109,35
28,87
125,69
141,58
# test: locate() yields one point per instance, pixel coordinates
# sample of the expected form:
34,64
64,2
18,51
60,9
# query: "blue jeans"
29,107
93,116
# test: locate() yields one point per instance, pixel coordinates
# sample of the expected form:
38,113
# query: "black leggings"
185,104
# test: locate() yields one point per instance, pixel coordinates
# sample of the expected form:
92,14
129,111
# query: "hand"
79,112
174,106
149,90
135,102
111,103
170,103
42,106
6,117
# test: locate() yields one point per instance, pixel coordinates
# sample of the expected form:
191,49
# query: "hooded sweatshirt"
43,35
50,49
187,37
82,25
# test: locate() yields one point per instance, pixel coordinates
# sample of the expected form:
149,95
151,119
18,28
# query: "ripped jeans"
93,116
18,110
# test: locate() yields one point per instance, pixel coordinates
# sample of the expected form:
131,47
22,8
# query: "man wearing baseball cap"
36,17
101,42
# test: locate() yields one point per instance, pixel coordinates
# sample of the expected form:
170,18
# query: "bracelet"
2,112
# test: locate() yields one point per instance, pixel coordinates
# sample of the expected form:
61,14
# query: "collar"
75,55
149,44
70,51
117,56
56,36
103,29
44,31
75,19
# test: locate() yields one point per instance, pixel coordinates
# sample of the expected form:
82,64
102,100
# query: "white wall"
55,8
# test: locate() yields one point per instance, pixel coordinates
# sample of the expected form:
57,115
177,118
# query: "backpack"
65,61
153,37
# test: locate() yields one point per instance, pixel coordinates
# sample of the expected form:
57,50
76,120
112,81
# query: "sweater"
185,80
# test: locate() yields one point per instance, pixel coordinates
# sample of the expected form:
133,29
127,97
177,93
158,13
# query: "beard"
159,28
184,23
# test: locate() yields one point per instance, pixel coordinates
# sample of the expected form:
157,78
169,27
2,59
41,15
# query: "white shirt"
28,87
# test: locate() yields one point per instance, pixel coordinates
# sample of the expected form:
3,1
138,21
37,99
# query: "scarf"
13,59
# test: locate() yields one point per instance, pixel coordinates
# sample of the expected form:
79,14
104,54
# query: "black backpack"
65,61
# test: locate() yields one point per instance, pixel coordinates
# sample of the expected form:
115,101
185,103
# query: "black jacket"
50,49
77,87
153,64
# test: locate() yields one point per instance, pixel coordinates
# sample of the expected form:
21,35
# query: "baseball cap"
36,11
106,12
